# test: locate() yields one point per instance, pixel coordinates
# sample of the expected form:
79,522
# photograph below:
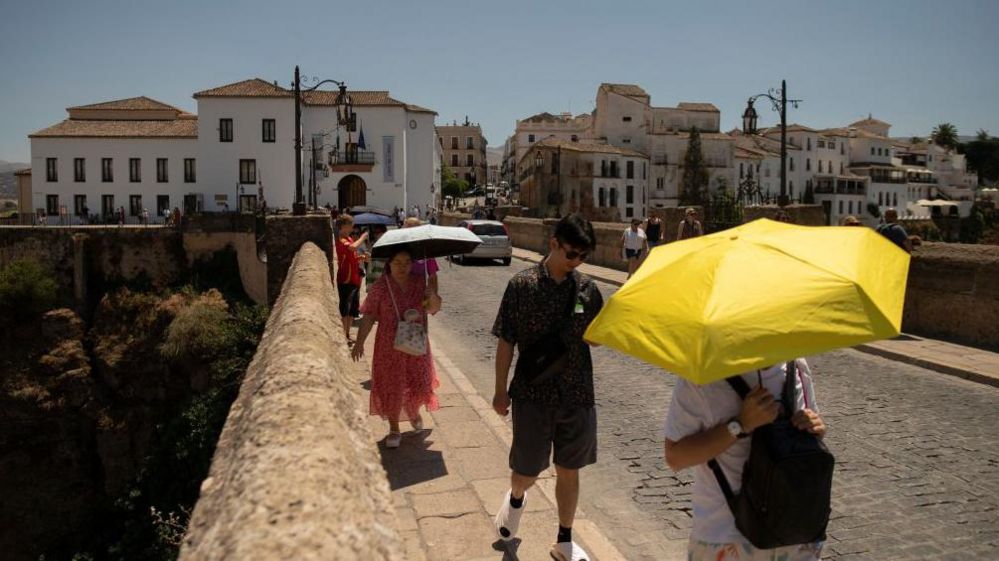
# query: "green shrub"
197,332
26,291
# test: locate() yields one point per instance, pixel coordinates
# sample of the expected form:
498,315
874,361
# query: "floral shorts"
704,551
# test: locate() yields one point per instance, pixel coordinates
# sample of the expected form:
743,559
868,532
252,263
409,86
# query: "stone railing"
296,474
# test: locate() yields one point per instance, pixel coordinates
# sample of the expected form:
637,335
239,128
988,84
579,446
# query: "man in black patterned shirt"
544,312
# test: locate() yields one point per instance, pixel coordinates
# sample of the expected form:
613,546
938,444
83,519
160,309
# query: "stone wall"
953,293
296,474
285,236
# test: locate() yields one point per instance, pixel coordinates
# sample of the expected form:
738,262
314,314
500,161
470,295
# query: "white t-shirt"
634,240
696,408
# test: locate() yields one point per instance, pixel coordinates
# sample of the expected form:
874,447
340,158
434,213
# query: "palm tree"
945,135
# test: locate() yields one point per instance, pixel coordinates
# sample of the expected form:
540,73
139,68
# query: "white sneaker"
393,440
508,518
568,551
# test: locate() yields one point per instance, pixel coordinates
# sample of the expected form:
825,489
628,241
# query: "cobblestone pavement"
917,473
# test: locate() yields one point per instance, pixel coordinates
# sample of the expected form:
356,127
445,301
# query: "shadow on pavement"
412,462
509,549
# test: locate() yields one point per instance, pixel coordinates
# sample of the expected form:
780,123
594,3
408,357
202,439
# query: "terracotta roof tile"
79,128
589,147
629,90
247,88
689,106
141,103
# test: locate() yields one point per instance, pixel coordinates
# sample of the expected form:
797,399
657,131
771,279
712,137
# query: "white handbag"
410,335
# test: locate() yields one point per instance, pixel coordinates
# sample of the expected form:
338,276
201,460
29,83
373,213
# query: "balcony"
352,160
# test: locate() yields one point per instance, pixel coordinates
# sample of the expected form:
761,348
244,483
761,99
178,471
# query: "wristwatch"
735,429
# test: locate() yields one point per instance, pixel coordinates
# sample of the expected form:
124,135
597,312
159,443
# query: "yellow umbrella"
753,296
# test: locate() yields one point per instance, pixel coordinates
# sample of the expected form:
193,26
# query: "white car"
495,241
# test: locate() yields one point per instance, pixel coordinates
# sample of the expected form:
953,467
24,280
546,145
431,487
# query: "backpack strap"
739,385
742,388
788,394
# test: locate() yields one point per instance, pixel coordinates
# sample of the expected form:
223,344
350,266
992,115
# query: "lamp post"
749,118
539,162
345,116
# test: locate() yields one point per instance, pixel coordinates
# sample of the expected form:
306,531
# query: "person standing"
348,273
654,231
401,383
544,313
634,246
690,226
711,421
894,231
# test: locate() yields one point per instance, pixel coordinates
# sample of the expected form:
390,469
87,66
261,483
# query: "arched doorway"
352,192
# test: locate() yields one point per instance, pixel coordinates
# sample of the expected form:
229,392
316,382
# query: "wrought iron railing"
352,157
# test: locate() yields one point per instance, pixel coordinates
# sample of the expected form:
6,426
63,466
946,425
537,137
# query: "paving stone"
458,538
459,501
481,463
468,434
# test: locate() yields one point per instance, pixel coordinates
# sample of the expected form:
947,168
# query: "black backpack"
786,482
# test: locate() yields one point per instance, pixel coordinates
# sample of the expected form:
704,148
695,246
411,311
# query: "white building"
142,154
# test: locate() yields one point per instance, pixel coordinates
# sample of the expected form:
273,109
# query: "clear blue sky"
912,63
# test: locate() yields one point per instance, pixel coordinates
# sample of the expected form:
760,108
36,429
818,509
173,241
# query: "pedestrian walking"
634,246
121,216
375,266
426,267
402,381
175,217
654,231
707,429
689,227
850,220
544,312
894,231
348,274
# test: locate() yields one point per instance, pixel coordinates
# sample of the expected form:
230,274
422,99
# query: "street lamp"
345,116
749,118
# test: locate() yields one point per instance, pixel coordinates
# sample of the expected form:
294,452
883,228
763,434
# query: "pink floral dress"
400,382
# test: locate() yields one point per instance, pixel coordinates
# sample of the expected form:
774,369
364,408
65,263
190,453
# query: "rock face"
78,413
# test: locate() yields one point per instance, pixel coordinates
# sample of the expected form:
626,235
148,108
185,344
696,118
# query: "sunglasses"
572,254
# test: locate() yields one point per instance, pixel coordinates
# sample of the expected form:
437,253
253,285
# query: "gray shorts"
538,427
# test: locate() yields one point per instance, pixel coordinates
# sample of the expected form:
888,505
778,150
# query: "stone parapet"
285,236
953,293
296,474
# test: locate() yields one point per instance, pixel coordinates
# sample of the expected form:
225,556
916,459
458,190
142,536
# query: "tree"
945,135
695,171
917,140
451,185
983,157
982,135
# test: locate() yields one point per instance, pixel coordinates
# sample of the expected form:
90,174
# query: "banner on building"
388,159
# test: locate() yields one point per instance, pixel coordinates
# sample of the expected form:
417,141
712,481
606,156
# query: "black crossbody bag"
544,358
786,482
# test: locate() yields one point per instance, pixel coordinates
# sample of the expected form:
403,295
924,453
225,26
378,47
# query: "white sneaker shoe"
393,440
568,551
508,518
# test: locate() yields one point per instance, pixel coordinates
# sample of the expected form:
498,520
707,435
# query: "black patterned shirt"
532,306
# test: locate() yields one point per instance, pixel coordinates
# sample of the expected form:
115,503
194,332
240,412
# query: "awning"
924,202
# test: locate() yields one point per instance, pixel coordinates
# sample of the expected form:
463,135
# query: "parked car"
495,241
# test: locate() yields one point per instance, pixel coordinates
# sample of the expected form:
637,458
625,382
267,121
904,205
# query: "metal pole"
783,145
298,207
558,185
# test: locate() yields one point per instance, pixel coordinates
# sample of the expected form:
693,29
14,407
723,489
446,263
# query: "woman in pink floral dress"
401,383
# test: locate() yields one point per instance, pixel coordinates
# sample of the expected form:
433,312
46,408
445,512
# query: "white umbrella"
424,242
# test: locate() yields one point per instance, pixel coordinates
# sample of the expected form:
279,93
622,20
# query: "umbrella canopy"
370,218
757,295
427,241
362,209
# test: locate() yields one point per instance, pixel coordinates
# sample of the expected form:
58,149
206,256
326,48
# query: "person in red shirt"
348,274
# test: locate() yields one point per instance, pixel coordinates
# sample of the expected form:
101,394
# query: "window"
225,130
894,199
791,164
841,147
107,206
52,205
820,143
629,195
162,205
629,169
820,166
790,188
841,207
530,138
469,143
79,169
644,170
454,160
575,138
161,170
51,173
613,196
660,183
625,141
248,171
601,198
613,169
841,168
741,171
831,144
107,170
134,170
603,169
809,140
629,212
808,164
872,150
80,205
879,151
881,199
454,142
135,205
189,171
626,119
470,160
851,207
269,130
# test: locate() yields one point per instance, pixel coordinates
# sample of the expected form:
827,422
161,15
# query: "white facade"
253,159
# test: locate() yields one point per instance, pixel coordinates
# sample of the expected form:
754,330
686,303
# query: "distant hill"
8,183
